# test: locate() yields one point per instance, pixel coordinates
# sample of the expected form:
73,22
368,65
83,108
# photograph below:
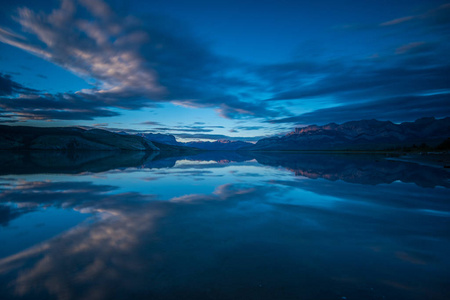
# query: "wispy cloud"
414,47
398,21
250,128
180,129
150,123
434,17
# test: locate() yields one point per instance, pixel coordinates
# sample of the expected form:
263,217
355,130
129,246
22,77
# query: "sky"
207,70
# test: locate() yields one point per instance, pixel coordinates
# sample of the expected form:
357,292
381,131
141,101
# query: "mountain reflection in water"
223,226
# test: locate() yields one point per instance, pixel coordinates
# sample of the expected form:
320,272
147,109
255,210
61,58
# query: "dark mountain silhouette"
69,138
361,135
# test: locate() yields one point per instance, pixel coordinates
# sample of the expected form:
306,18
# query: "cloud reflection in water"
252,237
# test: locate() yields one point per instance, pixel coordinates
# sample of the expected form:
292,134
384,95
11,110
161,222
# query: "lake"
222,226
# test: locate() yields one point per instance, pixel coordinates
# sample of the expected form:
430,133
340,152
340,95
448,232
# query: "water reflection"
361,168
35,162
249,229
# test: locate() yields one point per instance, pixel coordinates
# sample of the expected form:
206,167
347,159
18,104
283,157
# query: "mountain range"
222,145
364,135
219,145
167,139
361,135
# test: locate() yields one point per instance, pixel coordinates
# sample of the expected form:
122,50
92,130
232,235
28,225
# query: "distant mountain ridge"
219,145
364,135
361,135
223,145
167,139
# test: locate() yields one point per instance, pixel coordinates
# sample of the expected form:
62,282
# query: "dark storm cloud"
394,109
134,61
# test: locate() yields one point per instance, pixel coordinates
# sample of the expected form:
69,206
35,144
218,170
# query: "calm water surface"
222,226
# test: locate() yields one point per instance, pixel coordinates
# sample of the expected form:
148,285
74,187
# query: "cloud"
7,121
199,129
393,109
138,62
187,128
150,123
397,21
409,83
101,46
54,107
436,17
365,82
9,87
132,62
412,47
100,125
231,107
250,127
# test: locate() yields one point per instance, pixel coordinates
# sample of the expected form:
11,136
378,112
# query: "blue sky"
222,69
